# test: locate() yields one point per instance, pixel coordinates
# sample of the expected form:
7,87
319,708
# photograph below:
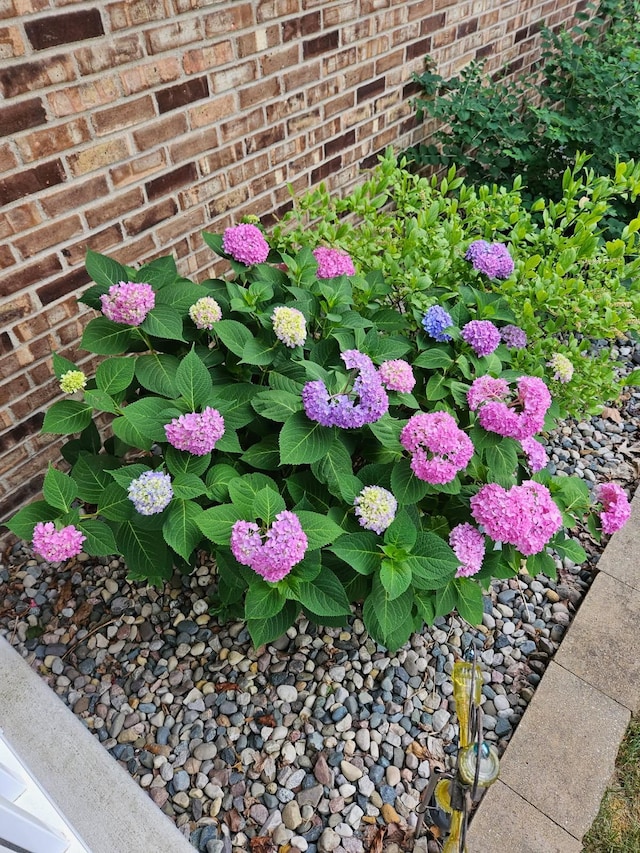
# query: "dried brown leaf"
262,844
83,612
63,597
611,414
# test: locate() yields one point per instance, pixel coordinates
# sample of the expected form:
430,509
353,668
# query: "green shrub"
569,286
587,99
281,439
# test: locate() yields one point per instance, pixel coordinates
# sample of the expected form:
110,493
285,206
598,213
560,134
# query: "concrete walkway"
562,755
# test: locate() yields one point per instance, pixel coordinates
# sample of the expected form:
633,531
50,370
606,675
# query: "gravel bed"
321,741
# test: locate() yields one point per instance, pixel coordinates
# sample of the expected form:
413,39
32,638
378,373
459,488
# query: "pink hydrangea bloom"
438,446
375,508
536,454
289,326
524,516
468,545
493,259
332,262
283,547
616,508
196,432
397,375
57,545
519,418
128,302
486,388
246,244
482,336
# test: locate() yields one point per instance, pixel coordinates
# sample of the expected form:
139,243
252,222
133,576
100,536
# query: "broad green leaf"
395,576
469,601
100,401
303,441
105,337
115,374
193,381
67,417
437,388
401,532
104,270
335,465
243,491
163,322
319,529
233,403
426,604
180,295
542,563
180,528
406,487
567,549
157,373
145,553
267,630
264,455
91,474
267,504
263,600
216,523
218,479
148,416
187,486
446,599
123,476
59,489
182,462
23,522
433,563
502,460
114,503
361,551
633,378
130,435
233,335
259,351
62,365
277,405
388,620
324,595
387,430
433,359
100,541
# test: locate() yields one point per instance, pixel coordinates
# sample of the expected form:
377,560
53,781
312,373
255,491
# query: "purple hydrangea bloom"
246,244
492,259
435,321
342,410
196,432
513,337
128,302
57,545
482,336
332,263
468,546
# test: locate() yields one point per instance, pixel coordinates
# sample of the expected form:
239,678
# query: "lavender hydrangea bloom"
513,337
482,336
435,321
151,492
342,410
492,259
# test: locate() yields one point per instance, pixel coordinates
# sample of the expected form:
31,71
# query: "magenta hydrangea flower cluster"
375,508
438,447
517,418
289,326
205,312
57,545
468,545
562,366
246,244
151,492
536,454
435,321
342,410
513,337
482,336
492,259
196,432
333,262
397,375
283,547
128,302
616,508
524,516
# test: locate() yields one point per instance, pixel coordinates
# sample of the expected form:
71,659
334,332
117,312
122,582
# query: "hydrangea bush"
322,444
561,284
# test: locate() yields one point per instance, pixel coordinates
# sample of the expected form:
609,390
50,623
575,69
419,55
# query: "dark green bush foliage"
587,99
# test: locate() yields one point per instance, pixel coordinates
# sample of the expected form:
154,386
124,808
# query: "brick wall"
128,126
